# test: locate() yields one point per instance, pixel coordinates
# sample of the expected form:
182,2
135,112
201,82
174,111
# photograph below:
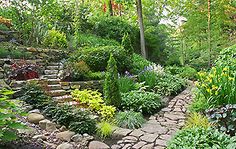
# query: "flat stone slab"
139,145
121,132
137,133
98,145
149,137
154,128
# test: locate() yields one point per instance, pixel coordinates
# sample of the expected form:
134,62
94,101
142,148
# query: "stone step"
52,67
53,81
53,76
54,87
62,98
17,84
51,72
53,64
55,93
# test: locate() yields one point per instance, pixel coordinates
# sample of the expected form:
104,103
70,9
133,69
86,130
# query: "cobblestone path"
159,128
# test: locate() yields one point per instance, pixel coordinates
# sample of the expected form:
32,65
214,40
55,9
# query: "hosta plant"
140,101
201,138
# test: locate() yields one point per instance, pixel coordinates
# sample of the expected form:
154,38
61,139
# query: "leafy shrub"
138,101
199,103
114,28
55,39
126,43
94,75
227,58
168,84
33,94
224,118
130,119
111,84
139,63
149,77
9,110
197,120
184,72
105,129
73,118
89,40
24,71
97,57
14,53
218,86
93,100
201,138
126,84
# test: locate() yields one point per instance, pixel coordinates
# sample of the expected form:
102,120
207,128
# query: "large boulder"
98,145
35,118
65,146
65,135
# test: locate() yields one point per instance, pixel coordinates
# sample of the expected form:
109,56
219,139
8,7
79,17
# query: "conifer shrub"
111,85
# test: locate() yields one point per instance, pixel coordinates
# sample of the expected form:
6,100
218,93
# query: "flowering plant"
218,86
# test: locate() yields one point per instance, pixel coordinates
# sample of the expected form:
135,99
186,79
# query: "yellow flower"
208,90
225,69
214,87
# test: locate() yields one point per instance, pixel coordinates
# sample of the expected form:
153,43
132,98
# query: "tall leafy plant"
111,85
9,111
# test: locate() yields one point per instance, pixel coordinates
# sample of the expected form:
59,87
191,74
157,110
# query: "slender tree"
141,26
209,32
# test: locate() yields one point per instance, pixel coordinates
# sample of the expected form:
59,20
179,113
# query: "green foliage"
224,118
104,129
201,138
169,85
138,101
149,77
71,117
111,84
184,72
126,43
130,119
95,75
126,84
93,100
227,58
97,57
14,53
89,40
218,86
199,103
139,63
33,94
55,39
114,28
9,110
197,120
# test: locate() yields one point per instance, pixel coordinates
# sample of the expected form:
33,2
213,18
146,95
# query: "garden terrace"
117,74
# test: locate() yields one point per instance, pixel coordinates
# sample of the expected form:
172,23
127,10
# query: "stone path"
159,128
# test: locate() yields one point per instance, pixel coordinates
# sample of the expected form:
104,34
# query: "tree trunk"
141,26
110,7
209,32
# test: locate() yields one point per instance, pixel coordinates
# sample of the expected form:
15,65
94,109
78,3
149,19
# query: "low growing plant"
224,118
197,120
104,129
93,100
55,39
126,84
130,119
140,101
201,138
